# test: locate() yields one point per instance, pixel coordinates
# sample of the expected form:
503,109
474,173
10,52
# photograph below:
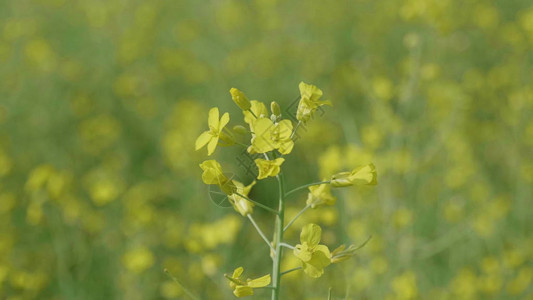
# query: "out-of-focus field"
101,102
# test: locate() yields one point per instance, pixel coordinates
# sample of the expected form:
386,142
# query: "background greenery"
101,101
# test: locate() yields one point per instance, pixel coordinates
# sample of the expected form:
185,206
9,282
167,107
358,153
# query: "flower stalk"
278,237
305,186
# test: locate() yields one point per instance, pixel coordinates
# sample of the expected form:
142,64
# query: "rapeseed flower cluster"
273,138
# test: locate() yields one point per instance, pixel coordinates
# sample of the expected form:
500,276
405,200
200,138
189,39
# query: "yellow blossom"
243,288
364,175
211,137
257,110
268,168
240,99
320,195
314,257
213,175
269,136
309,101
243,206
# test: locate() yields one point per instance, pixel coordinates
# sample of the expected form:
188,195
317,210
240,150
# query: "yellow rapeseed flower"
314,257
210,138
320,195
243,206
243,288
268,168
213,175
269,136
309,101
364,175
257,110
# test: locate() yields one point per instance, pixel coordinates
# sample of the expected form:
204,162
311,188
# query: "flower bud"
239,129
240,99
275,109
364,175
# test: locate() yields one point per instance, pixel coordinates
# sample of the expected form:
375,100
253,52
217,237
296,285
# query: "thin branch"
291,270
187,292
258,204
296,217
305,186
363,244
286,245
295,129
252,113
260,232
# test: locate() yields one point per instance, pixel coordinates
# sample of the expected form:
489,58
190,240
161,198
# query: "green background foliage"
101,101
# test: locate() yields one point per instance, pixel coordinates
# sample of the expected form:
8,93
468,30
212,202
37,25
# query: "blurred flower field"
101,103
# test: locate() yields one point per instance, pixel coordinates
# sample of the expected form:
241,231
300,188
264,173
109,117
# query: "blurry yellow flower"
269,136
240,99
314,257
521,282
309,101
405,286
320,195
364,175
243,288
268,168
138,260
243,206
210,138
213,175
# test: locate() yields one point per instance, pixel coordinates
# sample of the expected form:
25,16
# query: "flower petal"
243,291
223,121
262,141
285,129
212,145
311,234
213,117
302,253
237,273
259,282
202,140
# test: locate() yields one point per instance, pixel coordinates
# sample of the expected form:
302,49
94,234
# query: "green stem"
278,237
291,270
295,129
185,290
258,204
287,246
252,113
260,231
306,185
296,217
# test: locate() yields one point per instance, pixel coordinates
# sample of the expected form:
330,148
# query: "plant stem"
278,237
296,217
260,232
291,270
185,290
252,113
306,185
258,204
295,129
287,246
